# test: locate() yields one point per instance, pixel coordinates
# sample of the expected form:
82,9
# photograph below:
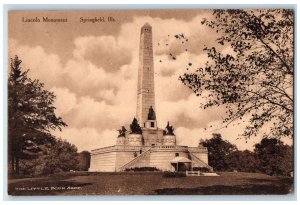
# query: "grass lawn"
150,184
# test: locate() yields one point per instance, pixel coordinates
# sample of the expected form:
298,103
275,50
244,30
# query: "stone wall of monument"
201,153
153,137
104,162
161,159
134,139
169,140
142,162
124,157
202,156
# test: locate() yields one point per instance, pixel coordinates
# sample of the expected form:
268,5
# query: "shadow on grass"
105,183
252,187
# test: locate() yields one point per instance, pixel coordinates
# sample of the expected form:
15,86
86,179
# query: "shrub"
142,169
174,174
201,169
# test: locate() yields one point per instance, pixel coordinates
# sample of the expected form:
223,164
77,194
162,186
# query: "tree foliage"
218,152
61,156
242,161
275,158
31,116
270,156
255,77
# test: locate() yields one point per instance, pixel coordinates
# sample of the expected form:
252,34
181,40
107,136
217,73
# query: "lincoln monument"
143,144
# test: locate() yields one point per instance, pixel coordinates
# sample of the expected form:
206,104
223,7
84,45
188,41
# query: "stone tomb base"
119,158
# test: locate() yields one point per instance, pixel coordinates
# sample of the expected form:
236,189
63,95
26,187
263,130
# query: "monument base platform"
121,158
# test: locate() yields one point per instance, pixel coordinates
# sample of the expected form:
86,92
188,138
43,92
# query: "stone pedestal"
169,140
121,140
135,139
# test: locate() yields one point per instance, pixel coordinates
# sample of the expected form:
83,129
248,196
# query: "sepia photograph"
150,102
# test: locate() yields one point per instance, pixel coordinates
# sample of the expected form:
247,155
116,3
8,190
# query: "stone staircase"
135,160
199,162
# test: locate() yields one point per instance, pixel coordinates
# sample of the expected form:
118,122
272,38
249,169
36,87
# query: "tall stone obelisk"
145,88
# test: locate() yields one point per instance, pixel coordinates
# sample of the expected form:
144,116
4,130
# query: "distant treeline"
270,156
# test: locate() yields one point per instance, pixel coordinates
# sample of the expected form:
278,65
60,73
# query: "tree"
274,157
218,152
61,157
31,116
243,161
255,78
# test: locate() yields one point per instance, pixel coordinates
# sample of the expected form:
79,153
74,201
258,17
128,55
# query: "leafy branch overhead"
254,78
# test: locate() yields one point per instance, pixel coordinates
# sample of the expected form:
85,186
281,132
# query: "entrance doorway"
181,166
181,163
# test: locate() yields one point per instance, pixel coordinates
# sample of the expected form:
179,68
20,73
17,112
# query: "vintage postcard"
151,102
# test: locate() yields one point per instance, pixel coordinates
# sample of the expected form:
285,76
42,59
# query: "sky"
92,69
